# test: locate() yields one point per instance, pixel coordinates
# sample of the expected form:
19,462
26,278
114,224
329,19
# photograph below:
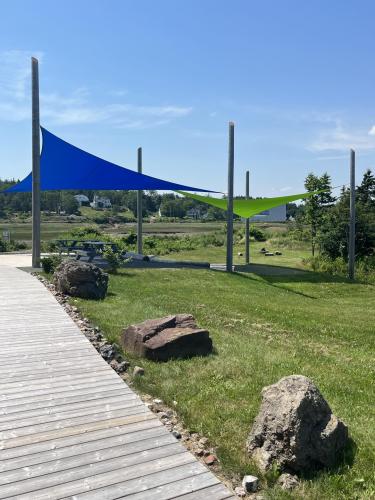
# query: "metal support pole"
351,267
35,164
229,266
139,207
247,227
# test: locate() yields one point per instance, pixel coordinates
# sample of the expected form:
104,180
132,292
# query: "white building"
81,198
101,202
276,214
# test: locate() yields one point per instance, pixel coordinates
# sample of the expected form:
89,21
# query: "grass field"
263,328
21,231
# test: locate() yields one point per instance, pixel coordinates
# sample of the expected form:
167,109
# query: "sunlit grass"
263,329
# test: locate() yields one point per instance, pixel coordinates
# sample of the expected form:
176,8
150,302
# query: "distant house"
101,202
82,199
276,214
194,213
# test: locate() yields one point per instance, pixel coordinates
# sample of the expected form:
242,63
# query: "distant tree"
334,228
69,204
366,190
315,205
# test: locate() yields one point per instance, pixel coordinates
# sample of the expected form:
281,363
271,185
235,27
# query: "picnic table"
85,248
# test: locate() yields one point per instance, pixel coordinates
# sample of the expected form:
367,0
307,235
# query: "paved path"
69,426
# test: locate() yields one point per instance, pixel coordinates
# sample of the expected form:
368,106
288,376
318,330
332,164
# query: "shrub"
364,269
49,264
114,260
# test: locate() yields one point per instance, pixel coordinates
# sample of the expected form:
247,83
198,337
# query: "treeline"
327,217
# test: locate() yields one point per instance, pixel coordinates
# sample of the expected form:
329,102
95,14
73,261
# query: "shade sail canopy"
64,167
248,208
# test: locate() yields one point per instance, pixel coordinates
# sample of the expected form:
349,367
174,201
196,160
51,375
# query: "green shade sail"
248,208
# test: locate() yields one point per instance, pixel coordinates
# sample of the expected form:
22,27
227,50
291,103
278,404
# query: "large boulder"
296,428
160,339
81,279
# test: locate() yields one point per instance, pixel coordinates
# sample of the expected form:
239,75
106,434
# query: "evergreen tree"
315,205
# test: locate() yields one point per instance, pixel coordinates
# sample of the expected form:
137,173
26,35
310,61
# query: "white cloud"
15,72
341,139
75,108
372,130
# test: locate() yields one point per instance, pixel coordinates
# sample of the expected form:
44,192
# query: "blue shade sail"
64,167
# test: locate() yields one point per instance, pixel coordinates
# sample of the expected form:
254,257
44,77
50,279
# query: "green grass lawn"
289,258
262,329
21,231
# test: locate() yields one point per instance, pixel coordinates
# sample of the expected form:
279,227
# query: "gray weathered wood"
247,223
229,263
351,263
35,163
69,425
139,206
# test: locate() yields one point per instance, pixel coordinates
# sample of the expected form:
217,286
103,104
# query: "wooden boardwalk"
69,426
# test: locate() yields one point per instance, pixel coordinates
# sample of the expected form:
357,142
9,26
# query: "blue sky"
297,78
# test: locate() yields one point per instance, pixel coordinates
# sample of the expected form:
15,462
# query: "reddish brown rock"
171,337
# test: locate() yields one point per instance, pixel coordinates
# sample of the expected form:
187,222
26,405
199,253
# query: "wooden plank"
120,437
71,431
137,409
62,410
176,488
61,423
217,492
150,460
142,483
58,442
69,425
51,402
76,460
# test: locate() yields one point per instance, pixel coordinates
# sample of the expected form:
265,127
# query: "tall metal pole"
247,227
229,266
139,207
35,163
352,217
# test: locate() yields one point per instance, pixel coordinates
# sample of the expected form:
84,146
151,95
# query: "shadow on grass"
344,460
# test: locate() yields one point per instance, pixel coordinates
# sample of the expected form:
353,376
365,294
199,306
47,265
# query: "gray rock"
296,428
123,366
81,279
138,370
107,352
288,481
250,483
176,434
165,338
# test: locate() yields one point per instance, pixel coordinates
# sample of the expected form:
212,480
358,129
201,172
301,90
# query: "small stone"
174,403
107,352
203,441
199,452
239,491
123,366
138,370
210,459
288,481
250,483
113,364
176,434
158,401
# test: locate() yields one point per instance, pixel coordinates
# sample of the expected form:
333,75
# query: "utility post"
247,227
351,259
229,266
139,207
35,163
